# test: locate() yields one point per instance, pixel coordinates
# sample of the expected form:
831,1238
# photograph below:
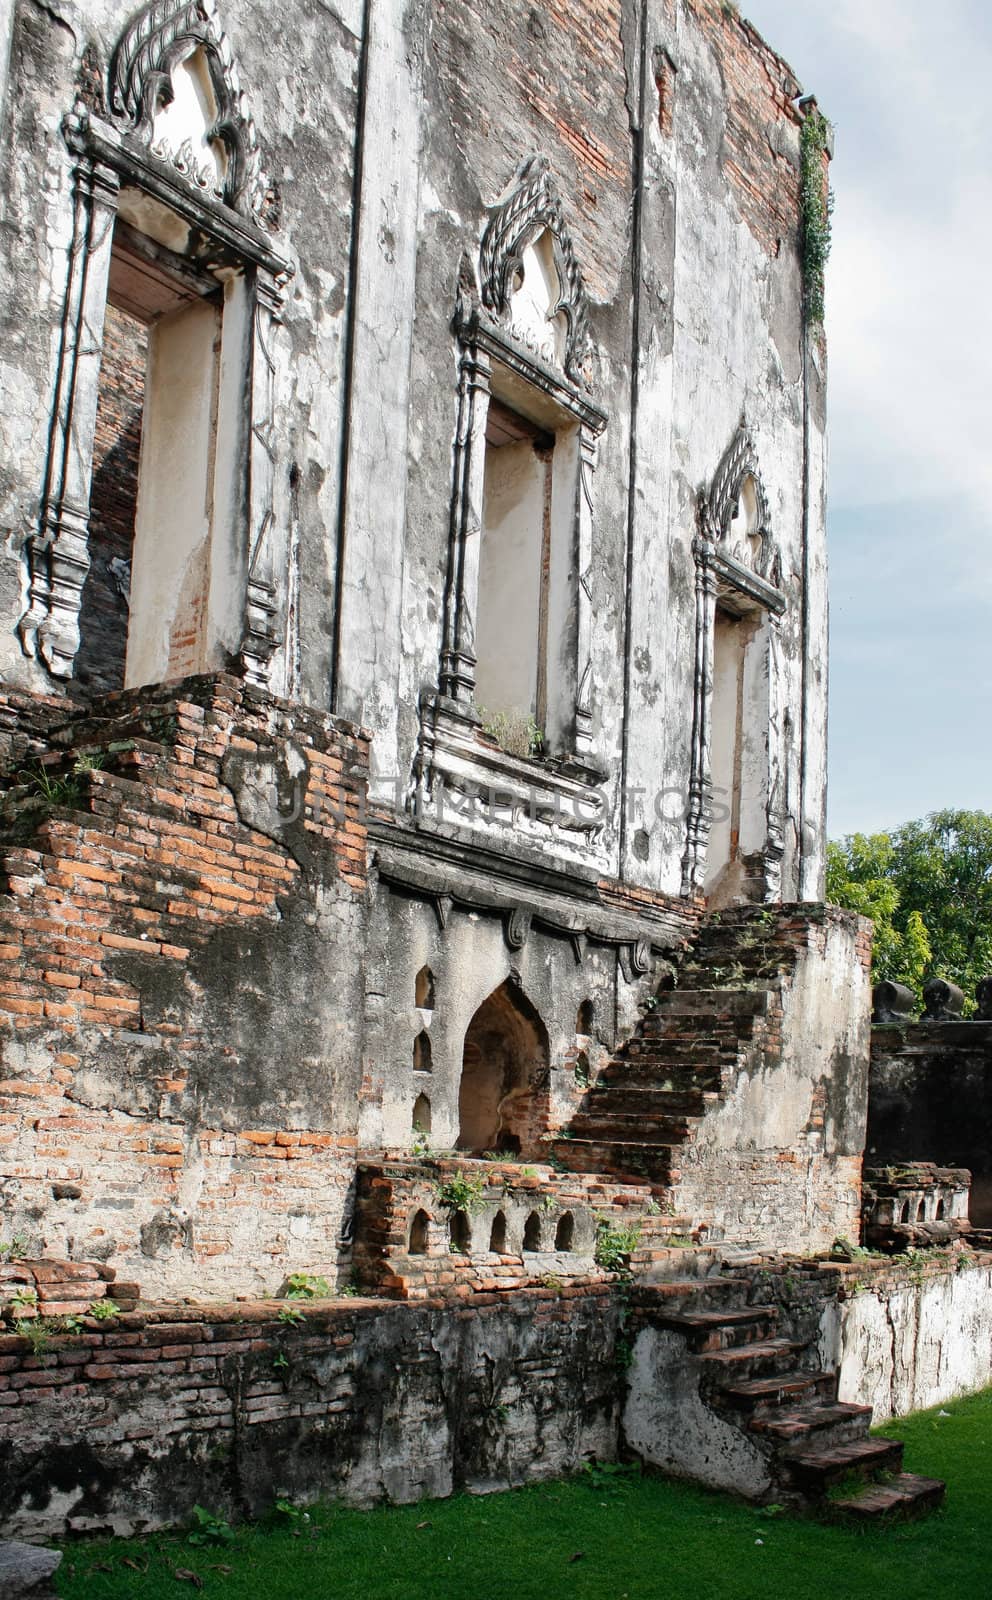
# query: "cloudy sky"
909,324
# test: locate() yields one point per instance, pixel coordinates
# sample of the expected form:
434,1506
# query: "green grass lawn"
599,1537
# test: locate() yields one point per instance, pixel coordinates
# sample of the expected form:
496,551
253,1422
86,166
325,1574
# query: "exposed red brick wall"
131,918
761,90
113,500
562,89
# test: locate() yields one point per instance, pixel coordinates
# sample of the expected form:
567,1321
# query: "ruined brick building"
413,643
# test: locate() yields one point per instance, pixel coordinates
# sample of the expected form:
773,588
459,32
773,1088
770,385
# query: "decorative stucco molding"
159,38
743,570
530,205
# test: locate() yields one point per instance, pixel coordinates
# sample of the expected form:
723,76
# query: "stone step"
677,1294
726,1367
907,1494
763,1396
816,1469
835,1422
722,1329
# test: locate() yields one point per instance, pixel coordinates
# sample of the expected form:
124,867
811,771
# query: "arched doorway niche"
505,1064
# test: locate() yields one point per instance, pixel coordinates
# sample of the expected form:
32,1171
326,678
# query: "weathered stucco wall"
129,1428
675,154
779,1161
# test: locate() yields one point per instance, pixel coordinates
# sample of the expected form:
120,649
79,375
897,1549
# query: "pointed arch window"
735,823
172,232
516,650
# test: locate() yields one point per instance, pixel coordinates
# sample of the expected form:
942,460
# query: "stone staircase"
808,1449
636,1121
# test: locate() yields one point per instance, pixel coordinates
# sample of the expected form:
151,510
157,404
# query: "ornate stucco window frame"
744,586
111,154
560,791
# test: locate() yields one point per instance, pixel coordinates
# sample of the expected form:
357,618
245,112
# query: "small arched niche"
506,1057
585,1019
421,1114
423,990
921,1210
419,1234
423,1060
904,1211
565,1231
460,1234
532,1232
941,1211
497,1234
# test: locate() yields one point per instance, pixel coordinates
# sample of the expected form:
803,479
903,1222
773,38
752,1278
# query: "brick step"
817,1469
722,1329
701,1028
722,1003
906,1495
764,1396
676,1294
679,1052
641,1099
770,1356
816,1421
626,1161
619,1126
663,1072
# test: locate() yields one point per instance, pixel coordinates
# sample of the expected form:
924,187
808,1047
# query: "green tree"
928,888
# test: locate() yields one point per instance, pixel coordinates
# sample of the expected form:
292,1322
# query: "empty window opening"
460,1234
585,1019
424,990
732,776
565,1231
526,612
940,1212
421,1114
921,1211
103,614
422,1059
904,1211
505,1061
532,1232
160,600
419,1234
497,1234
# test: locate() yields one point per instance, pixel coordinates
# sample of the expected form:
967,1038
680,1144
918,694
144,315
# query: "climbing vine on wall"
815,206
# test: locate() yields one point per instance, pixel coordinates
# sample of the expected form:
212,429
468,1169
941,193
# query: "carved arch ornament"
532,205
106,157
448,753
743,568
159,37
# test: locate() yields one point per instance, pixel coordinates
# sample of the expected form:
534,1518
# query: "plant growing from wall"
514,731
614,1244
104,1310
306,1286
460,1193
815,207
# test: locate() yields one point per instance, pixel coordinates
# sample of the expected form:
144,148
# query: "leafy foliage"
306,1286
614,1244
815,207
928,888
460,1193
